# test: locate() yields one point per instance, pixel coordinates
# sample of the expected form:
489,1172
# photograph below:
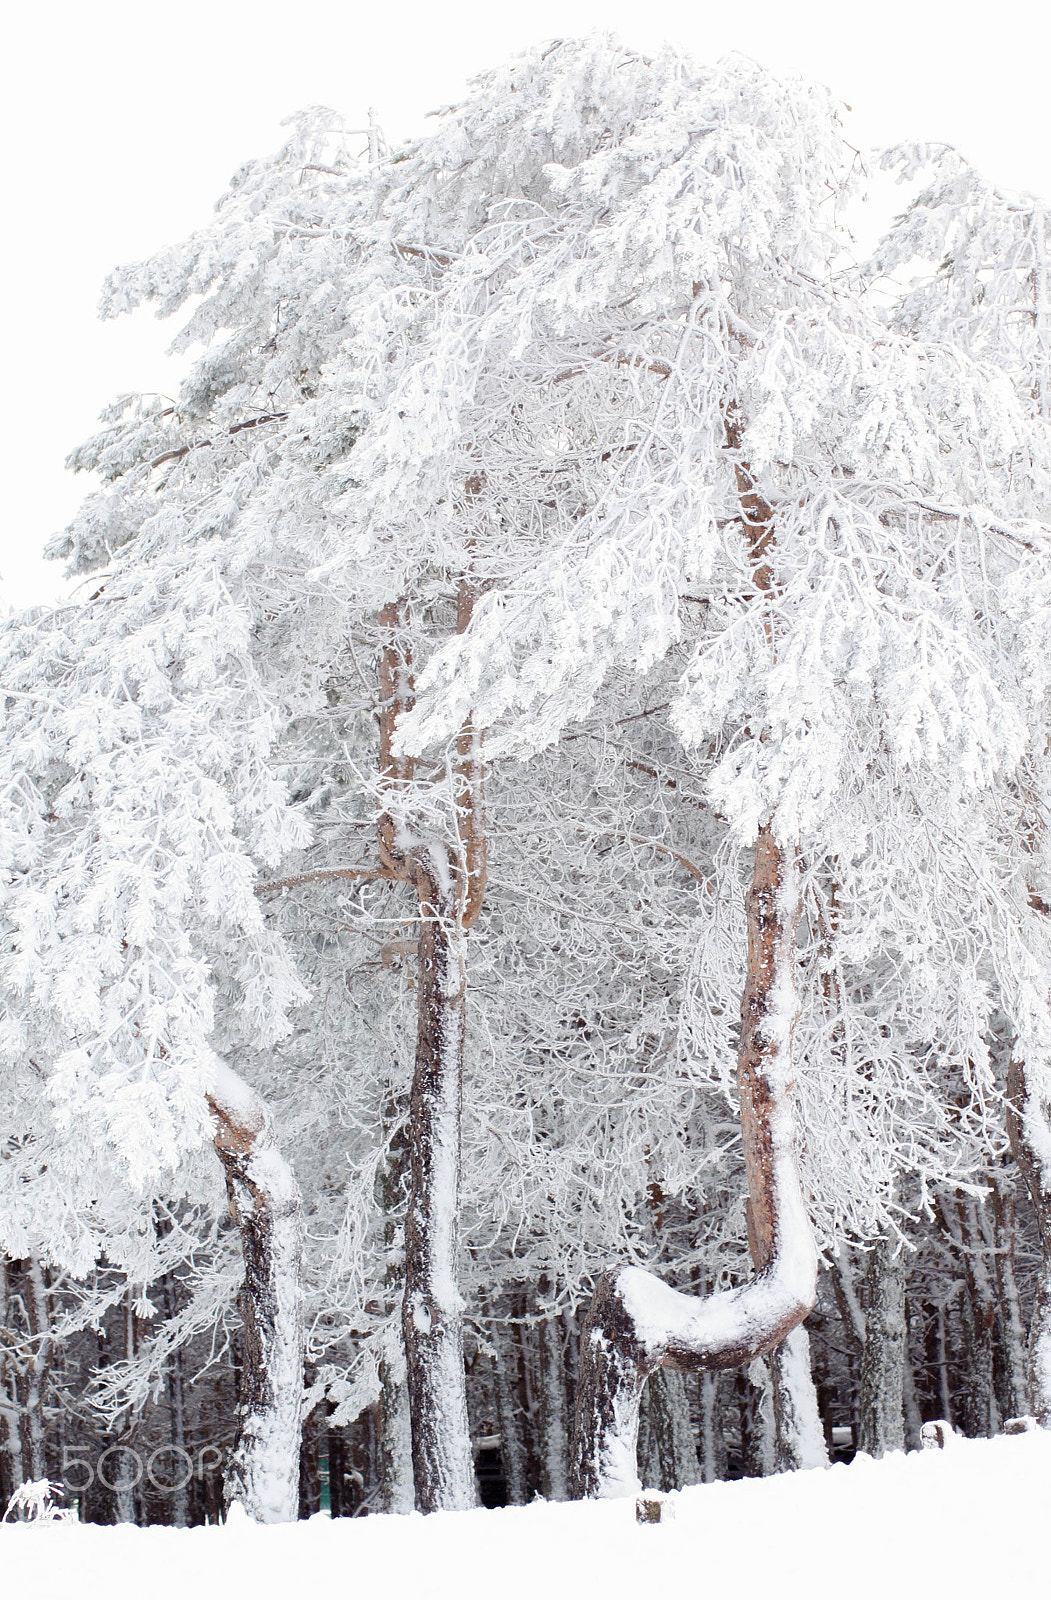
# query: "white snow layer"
970,1520
711,1322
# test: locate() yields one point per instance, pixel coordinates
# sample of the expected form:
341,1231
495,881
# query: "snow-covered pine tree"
569,395
978,260
749,434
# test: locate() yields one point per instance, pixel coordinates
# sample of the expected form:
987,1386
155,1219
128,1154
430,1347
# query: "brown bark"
768,934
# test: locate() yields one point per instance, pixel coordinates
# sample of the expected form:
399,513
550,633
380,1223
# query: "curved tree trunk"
636,1323
265,1203
1029,1131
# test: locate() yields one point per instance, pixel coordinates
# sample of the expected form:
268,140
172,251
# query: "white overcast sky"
123,122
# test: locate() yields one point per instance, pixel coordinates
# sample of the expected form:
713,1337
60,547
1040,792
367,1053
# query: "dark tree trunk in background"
1015,1391
11,1473
553,1418
181,1510
510,1419
310,1464
1027,1128
881,1416
26,1353
667,1450
978,1409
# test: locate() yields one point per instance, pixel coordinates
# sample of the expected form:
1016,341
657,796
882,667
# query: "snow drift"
968,1519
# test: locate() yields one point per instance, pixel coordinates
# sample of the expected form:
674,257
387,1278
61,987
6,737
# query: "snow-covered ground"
972,1519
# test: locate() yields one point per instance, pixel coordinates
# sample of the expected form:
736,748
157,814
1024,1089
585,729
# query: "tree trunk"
450,887
798,1431
943,1355
511,1424
760,1448
1029,1131
395,1429
310,1463
554,1434
668,1454
851,1315
125,1477
394,1444
1016,1385
180,1497
265,1204
432,1320
11,1475
881,1420
980,1412
913,1417
712,1446
636,1323
26,1351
